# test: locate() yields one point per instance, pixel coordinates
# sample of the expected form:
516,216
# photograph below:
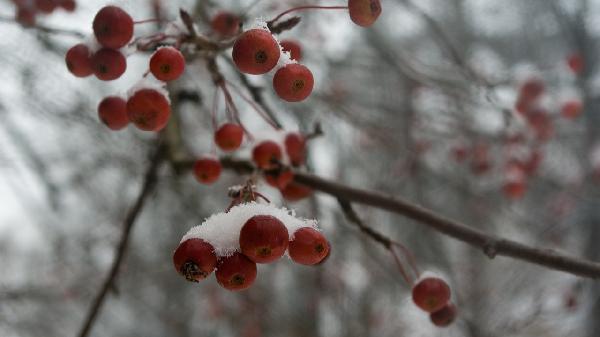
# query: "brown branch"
491,245
45,29
132,214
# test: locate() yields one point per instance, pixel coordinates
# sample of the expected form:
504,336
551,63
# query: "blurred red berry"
445,316
266,154
575,63
167,64
364,12
113,27
112,111
293,47
207,170
308,247
295,192
236,272
431,294
293,82
79,61
295,147
225,24
108,64
255,52
148,109
571,109
229,136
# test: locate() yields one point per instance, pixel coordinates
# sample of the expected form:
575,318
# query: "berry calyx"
195,259
293,48
295,147
236,272
431,294
167,64
207,170
108,64
293,82
445,316
229,136
255,52
266,154
225,24
308,247
263,238
148,109
364,12
112,111
78,60
113,27
295,192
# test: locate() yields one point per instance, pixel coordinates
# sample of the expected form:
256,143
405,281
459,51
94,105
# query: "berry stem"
232,108
400,267
301,8
146,21
261,112
408,255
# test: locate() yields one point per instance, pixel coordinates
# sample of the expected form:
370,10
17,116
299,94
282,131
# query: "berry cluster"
233,242
27,10
432,295
147,105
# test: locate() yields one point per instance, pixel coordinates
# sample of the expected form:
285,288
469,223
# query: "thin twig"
45,29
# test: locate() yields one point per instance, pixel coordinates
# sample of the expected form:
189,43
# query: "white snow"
149,82
222,230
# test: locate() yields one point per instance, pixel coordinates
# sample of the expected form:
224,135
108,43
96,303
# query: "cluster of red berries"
262,239
148,107
432,295
27,10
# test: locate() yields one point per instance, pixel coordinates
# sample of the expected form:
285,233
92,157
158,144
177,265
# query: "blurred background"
427,104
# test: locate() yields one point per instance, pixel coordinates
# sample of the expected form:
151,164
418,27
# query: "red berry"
295,147
294,192
279,179
542,125
229,136
207,170
225,24
571,109
444,316
112,111
263,238
514,189
531,89
255,52
293,48
364,12
79,60
167,64
108,64
26,16
460,153
68,5
266,154
236,272
148,109
308,247
575,63
113,27
293,82
195,259
431,294
45,6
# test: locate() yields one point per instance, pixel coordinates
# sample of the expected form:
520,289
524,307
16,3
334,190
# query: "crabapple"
364,12
293,47
68,5
195,259
575,63
229,136
571,109
293,82
236,272
112,111
294,192
263,238
431,294
45,6
25,16
225,24
531,89
266,154
255,52
148,109
279,179
308,247
207,170
167,64
78,60
108,64
514,189
445,316
113,27
295,147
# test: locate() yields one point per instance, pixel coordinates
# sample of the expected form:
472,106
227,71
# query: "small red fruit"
229,136
68,5
255,52
78,60
25,16
225,24
514,189
45,6
293,82
571,109
531,89
167,64
207,170
308,247
295,192
113,27
236,272
364,12
195,259
431,294
444,316
266,154
575,63
148,109
112,111
293,47
295,147
108,64
279,179
263,238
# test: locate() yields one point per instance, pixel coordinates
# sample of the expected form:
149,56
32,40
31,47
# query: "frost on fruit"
222,230
149,82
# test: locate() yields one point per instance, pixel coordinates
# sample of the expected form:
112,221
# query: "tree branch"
132,214
45,29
